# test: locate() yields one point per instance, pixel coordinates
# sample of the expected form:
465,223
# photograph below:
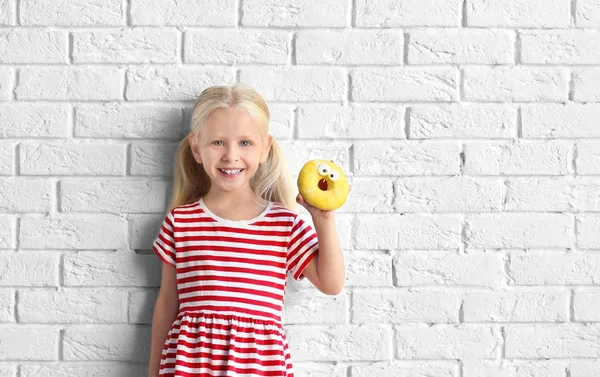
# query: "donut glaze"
323,184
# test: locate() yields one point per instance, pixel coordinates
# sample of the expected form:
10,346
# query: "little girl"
228,242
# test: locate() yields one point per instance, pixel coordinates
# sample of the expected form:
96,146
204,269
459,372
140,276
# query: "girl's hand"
315,212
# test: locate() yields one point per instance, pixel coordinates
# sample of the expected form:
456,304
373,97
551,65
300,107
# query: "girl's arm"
326,270
165,312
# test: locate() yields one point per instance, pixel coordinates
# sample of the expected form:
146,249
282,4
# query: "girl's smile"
231,173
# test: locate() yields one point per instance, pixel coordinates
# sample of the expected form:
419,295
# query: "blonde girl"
229,240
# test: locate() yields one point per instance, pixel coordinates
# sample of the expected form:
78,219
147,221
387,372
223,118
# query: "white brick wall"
470,131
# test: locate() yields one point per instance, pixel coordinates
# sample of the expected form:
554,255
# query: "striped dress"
231,281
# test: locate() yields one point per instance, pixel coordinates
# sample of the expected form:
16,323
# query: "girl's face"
230,147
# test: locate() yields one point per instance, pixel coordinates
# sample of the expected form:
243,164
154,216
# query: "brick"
7,17
470,46
315,307
553,267
344,227
298,152
564,194
152,158
69,83
586,85
295,83
587,14
128,121
7,157
448,268
587,231
173,83
186,12
107,343
564,340
34,120
319,370
71,306
448,194
339,343
404,84
588,157
68,13
370,195
407,231
23,46
6,83
373,158
114,269
390,13
29,269
236,46
519,230
368,269
7,307
29,343
518,158
97,231
519,13
295,13
405,368
7,231
513,368
143,229
139,45
87,370
349,47
585,305
357,121
24,195
515,84
123,195
523,305
397,305
281,123
68,157
560,47
442,341
462,121
583,368
141,306
570,120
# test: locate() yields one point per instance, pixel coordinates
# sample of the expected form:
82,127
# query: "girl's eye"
245,143
217,142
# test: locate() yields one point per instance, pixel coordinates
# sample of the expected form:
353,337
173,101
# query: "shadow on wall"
149,159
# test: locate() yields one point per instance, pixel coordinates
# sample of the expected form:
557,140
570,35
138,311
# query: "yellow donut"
323,184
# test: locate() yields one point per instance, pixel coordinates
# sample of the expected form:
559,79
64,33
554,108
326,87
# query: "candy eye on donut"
323,169
334,175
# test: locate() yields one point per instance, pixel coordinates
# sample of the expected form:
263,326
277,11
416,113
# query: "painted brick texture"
469,129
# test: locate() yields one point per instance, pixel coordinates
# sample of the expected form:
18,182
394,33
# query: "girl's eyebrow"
226,137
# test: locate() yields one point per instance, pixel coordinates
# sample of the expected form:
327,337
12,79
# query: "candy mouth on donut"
323,184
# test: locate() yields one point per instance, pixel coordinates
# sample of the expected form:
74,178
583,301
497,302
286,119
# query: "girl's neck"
233,199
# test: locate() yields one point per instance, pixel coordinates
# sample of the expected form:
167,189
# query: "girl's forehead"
231,122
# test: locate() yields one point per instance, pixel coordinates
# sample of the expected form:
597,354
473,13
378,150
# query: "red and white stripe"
231,279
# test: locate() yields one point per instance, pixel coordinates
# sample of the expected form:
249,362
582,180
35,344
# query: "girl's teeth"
231,171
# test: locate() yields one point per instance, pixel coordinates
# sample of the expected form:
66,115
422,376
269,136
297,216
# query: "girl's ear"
194,148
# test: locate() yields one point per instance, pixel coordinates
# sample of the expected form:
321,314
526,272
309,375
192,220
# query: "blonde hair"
272,181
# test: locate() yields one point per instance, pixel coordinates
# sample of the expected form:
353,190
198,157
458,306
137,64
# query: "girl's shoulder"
185,208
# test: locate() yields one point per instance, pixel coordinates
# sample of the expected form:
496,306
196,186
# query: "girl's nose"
231,154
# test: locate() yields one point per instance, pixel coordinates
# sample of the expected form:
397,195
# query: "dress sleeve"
302,247
164,244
